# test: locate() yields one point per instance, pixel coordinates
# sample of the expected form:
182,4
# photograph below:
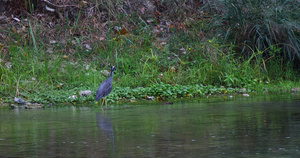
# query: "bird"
105,87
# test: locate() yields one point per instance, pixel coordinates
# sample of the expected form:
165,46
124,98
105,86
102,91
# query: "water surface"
260,126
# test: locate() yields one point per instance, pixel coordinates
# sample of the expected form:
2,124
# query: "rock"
293,90
243,90
88,47
150,97
161,76
34,106
19,100
105,73
85,93
73,96
87,67
182,50
246,95
13,106
52,42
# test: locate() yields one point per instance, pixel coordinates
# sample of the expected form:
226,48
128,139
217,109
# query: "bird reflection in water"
104,123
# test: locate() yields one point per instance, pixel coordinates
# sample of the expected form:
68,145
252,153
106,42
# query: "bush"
258,25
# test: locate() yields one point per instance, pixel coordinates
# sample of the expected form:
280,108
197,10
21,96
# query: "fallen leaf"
142,9
150,21
102,38
85,2
171,26
15,31
123,31
173,69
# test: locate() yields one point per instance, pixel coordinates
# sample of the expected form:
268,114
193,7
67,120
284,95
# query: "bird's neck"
111,73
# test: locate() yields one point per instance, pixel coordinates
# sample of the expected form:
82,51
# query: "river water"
255,126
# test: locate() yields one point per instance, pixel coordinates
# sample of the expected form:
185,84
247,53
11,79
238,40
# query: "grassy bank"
194,58
141,72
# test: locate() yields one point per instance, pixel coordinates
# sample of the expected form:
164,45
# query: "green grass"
260,25
51,78
185,65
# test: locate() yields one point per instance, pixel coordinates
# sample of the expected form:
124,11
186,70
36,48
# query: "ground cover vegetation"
51,50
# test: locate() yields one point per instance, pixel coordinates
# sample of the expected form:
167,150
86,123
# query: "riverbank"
158,93
201,50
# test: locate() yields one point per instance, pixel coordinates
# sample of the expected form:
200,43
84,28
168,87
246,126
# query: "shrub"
260,24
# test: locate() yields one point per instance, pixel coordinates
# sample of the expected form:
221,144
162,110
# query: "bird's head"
112,68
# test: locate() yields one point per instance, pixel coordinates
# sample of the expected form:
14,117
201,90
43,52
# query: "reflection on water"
262,126
105,125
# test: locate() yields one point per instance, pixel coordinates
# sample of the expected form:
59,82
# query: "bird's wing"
103,90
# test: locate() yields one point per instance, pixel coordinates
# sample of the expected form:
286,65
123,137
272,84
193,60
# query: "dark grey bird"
105,87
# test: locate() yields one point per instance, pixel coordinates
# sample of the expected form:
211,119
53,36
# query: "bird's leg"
103,102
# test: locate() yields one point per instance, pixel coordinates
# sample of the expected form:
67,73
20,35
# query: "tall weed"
261,24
